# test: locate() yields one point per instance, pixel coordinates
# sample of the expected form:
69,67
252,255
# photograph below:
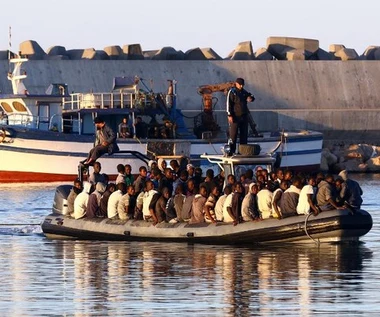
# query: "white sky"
219,24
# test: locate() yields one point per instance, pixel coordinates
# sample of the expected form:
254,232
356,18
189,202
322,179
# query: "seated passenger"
249,208
264,201
80,203
351,191
163,213
220,203
209,208
276,198
305,202
74,192
95,176
188,202
290,197
93,204
149,203
124,129
111,187
114,199
121,174
127,204
326,198
237,200
197,206
178,201
128,177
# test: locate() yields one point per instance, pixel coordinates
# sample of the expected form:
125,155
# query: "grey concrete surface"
340,98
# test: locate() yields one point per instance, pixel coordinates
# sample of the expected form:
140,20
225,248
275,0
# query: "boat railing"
112,100
23,119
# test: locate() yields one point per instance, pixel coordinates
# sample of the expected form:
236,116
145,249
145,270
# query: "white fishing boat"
43,137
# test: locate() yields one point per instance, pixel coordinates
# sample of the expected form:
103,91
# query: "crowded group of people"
180,193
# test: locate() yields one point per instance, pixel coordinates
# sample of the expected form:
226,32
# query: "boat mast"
17,75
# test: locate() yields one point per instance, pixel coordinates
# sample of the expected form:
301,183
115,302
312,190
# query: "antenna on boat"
17,75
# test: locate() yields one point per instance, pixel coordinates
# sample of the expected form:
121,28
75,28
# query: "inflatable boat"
328,226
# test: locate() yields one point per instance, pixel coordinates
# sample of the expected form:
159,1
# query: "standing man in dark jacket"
238,113
105,142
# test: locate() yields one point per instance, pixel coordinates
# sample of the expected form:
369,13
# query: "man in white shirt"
305,201
80,202
114,199
264,201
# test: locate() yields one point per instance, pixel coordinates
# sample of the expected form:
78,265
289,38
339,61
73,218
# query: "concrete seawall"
342,99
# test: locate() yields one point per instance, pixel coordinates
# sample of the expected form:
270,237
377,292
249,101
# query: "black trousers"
240,124
97,152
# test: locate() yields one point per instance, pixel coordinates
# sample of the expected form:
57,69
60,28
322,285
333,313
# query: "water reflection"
133,278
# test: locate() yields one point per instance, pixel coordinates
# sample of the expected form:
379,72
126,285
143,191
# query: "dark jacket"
237,102
109,136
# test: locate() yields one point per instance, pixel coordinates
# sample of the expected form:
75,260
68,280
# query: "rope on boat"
307,233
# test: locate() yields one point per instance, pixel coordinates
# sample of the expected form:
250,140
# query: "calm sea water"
39,277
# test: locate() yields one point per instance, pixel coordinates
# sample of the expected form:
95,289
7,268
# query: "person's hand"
105,143
249,99
230,120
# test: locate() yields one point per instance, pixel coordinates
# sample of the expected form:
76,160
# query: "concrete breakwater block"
347,54
210,54
114,52
309,45
32,50
243,51
263,55
195,54
133,52
168,53
56,50
371,53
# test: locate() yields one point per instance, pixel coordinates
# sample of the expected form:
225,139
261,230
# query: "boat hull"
44,156
329,226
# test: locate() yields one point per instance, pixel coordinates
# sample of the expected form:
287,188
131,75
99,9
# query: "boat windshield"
241,169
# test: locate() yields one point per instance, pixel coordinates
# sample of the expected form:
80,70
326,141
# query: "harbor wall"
340,98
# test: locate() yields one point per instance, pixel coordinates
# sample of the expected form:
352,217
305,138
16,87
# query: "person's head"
152,164
99,122
320,177
111,187
100,187
239,187
198,171
297,182
231,179
329,178
149,185
338,183
239,83
190,169
97,167
130,190
209,174
78,184
122,187
312,181
125,120
215,190
284,185
249,173
190,185
128,169
120,168
174,164
179,189
227,190
344,175
168,172
156,173
203,191
161,163
288,175
253,188
184,175
280,174
142,171
165,192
